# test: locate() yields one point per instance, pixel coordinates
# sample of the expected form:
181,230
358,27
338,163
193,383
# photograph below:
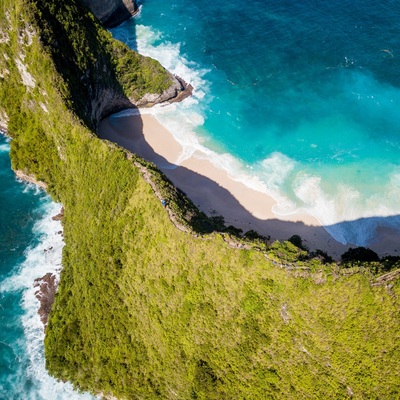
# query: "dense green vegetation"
147,311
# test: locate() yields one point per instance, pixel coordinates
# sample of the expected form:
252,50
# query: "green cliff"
146,310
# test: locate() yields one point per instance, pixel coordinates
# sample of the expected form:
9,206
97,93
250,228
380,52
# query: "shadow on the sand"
216,200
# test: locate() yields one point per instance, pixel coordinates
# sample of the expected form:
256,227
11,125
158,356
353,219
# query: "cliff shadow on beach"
214,200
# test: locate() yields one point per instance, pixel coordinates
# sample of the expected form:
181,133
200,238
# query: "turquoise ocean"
300,100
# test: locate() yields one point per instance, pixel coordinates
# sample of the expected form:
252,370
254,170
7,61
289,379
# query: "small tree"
359,254
298,242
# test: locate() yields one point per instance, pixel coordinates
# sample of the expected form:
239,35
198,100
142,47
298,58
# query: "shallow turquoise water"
299,99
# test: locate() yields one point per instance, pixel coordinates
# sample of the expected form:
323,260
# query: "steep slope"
112,12
145,310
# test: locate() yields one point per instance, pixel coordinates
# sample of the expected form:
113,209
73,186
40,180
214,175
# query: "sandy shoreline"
213,191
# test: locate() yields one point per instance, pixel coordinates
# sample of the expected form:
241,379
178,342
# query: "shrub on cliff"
359,255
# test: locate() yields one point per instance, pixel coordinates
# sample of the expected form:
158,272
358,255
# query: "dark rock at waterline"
47,286
59,216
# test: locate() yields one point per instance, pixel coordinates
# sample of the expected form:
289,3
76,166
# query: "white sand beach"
214,192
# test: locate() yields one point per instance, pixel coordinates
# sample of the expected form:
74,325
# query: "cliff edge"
112,12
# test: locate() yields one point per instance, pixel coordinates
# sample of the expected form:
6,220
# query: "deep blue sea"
299,99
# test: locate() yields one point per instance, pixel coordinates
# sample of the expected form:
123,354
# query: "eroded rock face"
112,12
47,286
178,91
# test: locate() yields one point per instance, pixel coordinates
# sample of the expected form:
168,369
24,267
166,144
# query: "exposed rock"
4,73
29,178
178,91
3,126
27,78
112,12
108,102
386,278
4,37
59,216
284,313
47,285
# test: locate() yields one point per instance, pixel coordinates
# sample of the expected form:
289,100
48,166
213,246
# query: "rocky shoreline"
47,287
108,102
178,91
30,179
3,130
47,284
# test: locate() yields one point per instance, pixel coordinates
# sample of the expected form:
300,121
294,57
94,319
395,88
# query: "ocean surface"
297,99
30,246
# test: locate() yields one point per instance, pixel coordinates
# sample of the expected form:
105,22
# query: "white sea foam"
35,382
5,147
30,187
349,215
169,55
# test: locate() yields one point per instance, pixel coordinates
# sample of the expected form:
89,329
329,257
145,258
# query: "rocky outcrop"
112,12
107,101
178,91
47,286
30,179
108,76
59,216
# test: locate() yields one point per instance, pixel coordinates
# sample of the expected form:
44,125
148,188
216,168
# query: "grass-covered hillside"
145,310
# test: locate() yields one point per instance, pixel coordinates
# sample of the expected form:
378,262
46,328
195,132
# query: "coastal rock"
107,101
3,120
178,91
29,178
47,286
105,88
112,12
59,216
3,130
